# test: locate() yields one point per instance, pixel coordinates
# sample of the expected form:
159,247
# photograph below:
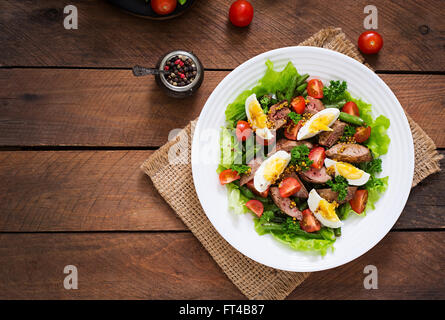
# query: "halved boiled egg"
321,121
323,210
270,170
353,175
257,118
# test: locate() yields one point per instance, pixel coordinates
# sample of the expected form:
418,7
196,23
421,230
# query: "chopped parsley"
240,168
266,101
339,184
295,117
299,157
335,92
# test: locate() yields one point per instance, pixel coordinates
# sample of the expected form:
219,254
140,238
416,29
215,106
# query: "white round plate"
359,234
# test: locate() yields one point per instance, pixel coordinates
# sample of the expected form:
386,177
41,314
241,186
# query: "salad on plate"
301,156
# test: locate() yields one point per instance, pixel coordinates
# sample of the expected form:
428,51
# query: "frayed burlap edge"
254,280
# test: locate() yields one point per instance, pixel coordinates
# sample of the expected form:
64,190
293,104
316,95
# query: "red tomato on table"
241,13
163,7
370,42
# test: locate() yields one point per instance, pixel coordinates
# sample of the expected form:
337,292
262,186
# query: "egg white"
259,181
313,203
265,132
304,132
353,182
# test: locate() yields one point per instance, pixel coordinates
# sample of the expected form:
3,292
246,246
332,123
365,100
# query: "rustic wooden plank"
33,34
106,190
91,108
175,266
75,190
113,108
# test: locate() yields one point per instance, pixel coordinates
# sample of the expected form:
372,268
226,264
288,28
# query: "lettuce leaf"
303,244
272,81
379,141
237,201
230,150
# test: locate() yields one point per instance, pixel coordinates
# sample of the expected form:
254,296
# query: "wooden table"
75,125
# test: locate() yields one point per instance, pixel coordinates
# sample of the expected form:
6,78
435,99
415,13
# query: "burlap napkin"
256,281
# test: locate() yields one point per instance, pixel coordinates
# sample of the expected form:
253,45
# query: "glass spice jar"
182,73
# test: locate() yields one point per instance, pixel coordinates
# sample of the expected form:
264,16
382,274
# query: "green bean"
301,88
337,105
337,232
303,206
304,93
246,192
346,117
302,79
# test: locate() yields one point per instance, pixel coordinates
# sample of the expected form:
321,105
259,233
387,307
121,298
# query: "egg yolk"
273,168
327,210
349,171
258,118
321,123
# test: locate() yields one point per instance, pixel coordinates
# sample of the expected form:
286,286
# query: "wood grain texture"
113,108
106,190
175,266
33,33
79,191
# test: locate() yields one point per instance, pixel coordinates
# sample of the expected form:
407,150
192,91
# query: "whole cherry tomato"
370,42
241,13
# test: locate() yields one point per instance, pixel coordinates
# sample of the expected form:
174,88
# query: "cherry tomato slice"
351,108
298,104
228,176
317,155
309,223
370,42
288,187
291,131
362,134
315,88
252,188
163,7
243,130
358,203
256,207
241,13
